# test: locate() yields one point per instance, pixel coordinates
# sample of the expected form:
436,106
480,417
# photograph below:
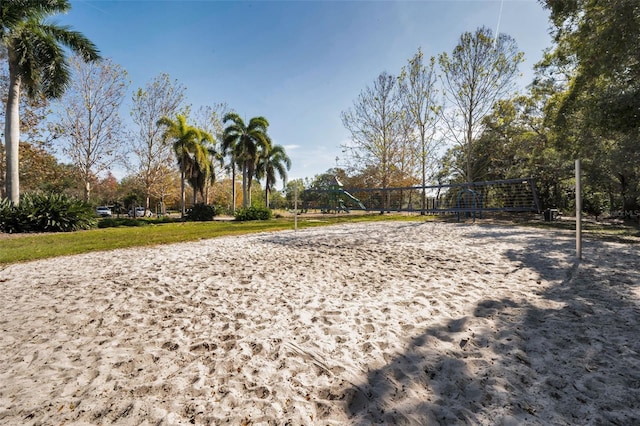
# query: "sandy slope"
403,323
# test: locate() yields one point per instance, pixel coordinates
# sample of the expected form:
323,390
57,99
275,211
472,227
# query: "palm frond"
74,40
39,57
271,162
13,12
191,147
232,116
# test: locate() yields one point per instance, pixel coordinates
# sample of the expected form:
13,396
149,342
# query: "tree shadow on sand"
571,357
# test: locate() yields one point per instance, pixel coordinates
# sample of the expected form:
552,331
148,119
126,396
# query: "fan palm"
244,143
271,161
188,144
37,64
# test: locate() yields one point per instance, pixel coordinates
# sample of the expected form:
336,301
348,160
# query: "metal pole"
295,208
578,212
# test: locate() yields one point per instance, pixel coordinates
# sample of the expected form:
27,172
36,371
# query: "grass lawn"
26,247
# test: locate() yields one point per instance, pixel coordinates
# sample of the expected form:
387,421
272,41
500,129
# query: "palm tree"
271,161
244,143
188,145
228,148
202,174
37,64
216,159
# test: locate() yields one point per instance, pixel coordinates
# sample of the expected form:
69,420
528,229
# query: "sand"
385,323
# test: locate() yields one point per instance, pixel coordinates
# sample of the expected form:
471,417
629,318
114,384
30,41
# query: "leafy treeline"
584,103
588,86
73,104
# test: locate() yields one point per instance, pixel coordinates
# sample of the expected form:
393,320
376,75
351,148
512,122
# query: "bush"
253,213
595,203
224,210
201,213
114,222
9,220
123,221
38,212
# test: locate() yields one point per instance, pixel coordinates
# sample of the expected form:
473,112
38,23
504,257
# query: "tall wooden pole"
295,208
578,212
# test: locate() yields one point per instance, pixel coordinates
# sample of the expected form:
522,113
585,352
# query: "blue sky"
297,63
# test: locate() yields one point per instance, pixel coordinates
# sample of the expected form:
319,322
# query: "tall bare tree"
420,99
377,130
89,123
480,71
153,155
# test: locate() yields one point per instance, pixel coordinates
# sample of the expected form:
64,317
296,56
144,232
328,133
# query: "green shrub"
201,213
223,210
114,222
164,219
253,213
9,220
124,221
595,203
40,212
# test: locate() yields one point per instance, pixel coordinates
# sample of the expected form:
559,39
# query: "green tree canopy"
600,42
594,68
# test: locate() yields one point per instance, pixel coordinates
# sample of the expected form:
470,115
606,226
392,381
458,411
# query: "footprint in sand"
256,348
203,347
171,346
368,348
229,341
262,392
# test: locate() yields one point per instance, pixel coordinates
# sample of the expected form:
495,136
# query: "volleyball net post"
578,211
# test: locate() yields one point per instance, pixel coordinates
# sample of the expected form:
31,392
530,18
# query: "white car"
140,212
103,211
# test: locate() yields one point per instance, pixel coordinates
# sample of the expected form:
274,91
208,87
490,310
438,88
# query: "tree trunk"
195,196
424,179
87,190
233,186
245,189
250,171
469,177
627,204
182,194
12,132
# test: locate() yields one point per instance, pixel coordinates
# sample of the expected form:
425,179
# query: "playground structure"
331,199
469,199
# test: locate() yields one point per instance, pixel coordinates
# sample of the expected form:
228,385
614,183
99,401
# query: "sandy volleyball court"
388,323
